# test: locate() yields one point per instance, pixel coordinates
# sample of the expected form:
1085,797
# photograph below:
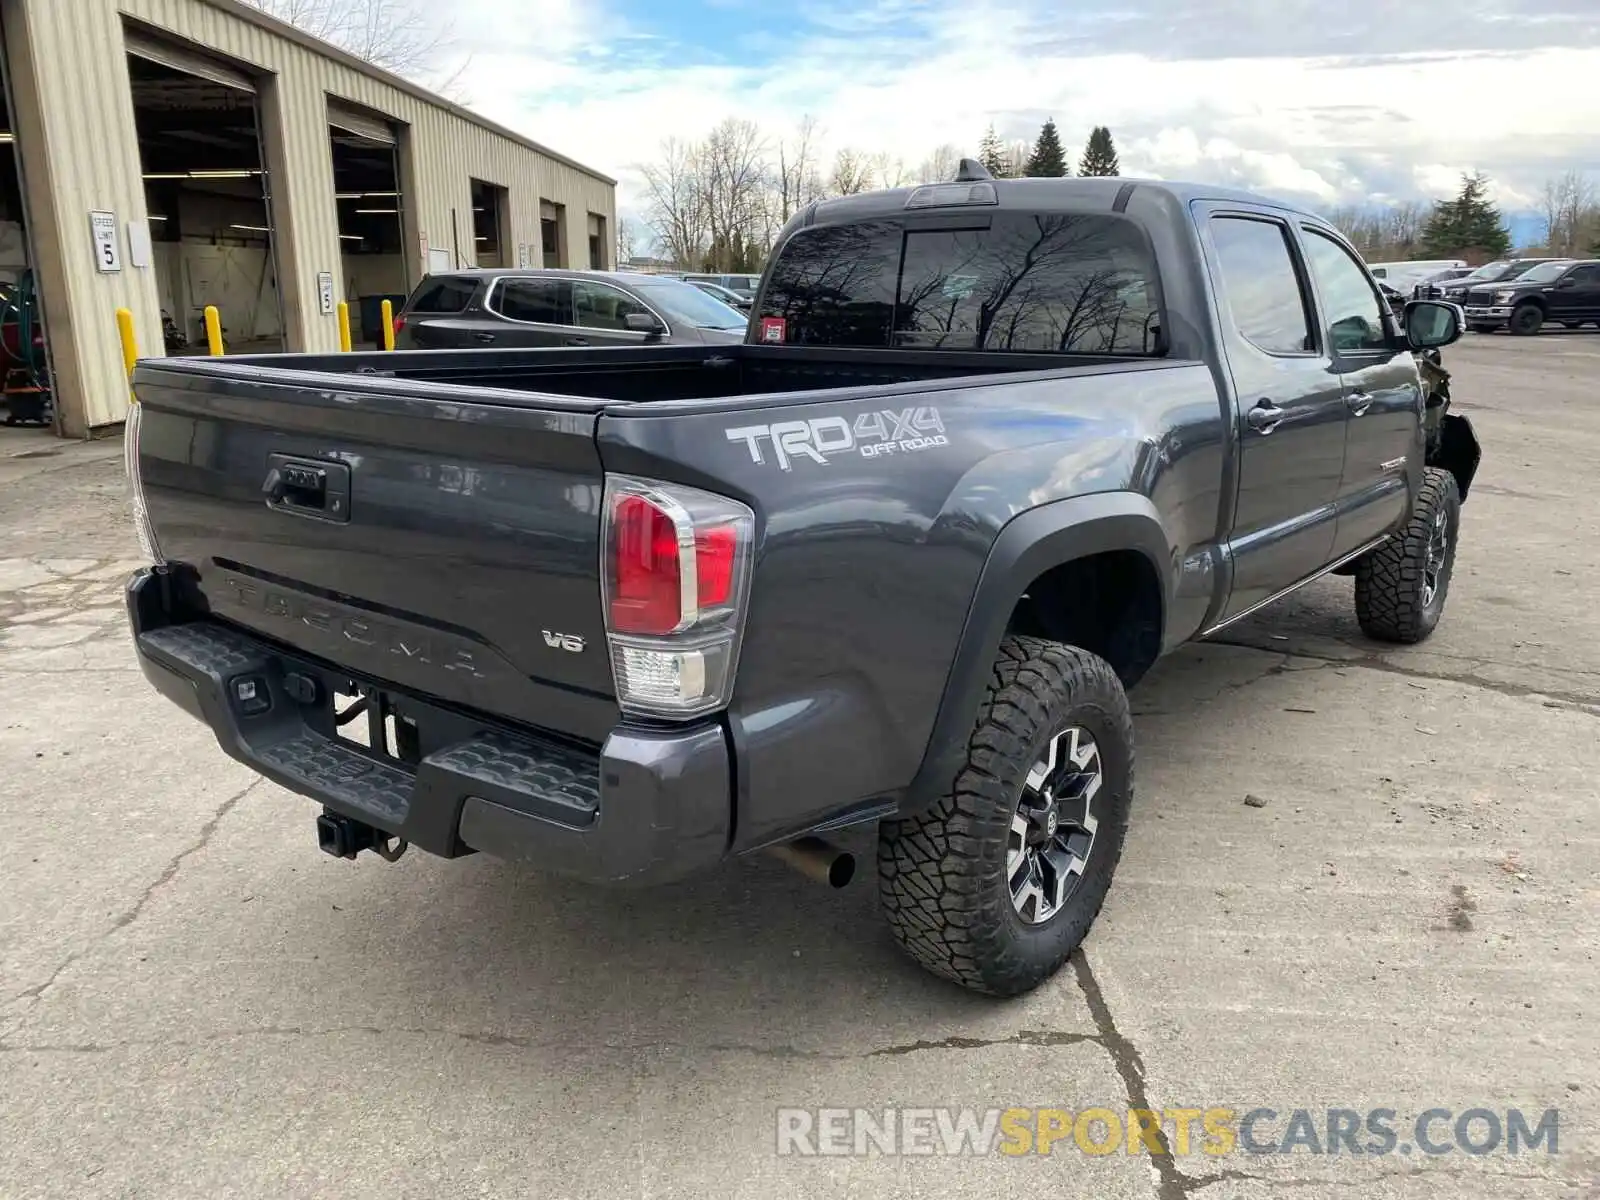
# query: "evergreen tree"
1467,226
1099,154
1047,160
992,153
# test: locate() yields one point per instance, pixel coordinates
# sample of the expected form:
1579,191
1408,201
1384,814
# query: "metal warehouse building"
167,155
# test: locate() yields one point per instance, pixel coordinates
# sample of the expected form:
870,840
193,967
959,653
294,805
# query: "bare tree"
1383,234
1571,215
408,37
797,175
940,166
889,171
1405,225
1014,158
625,241
851,174
734,177
676,202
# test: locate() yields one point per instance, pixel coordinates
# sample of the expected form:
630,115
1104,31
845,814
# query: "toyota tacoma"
990,449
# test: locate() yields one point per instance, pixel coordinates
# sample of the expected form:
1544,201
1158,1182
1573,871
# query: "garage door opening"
207,196
366,180
553,233
25,398
490,220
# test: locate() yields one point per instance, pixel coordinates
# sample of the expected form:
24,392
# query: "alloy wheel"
1053,829
1438,551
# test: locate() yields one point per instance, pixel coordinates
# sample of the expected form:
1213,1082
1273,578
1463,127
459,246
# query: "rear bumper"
648,807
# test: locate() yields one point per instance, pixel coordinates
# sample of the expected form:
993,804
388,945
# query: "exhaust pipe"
817,860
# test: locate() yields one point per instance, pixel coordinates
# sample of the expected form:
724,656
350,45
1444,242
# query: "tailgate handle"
307,487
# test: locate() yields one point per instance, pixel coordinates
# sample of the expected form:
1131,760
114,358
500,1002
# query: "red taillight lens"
675,572
649,585
399,324
714,549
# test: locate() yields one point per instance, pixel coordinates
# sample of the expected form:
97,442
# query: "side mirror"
1566,282
643,322
1432,323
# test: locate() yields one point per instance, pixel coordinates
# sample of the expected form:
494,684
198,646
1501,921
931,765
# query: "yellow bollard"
344,326
130,344
388,325
213,330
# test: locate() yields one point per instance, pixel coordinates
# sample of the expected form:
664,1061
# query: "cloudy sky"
1386,99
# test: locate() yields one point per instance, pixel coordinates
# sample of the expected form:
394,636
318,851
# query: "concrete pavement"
194,1001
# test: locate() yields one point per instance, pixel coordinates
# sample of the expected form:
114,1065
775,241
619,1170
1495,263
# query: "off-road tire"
1526,319
1391,581
942,877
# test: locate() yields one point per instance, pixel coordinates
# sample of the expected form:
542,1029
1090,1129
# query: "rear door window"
538,301
1260,285
446,295
1061,283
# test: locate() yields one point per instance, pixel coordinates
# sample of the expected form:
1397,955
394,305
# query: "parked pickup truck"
990,449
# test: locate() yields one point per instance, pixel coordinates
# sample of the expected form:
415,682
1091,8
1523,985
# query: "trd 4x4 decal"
871,435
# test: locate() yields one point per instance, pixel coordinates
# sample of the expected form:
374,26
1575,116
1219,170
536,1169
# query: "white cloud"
907,75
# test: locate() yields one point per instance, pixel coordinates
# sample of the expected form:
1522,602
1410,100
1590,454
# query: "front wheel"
997,883
1526,319
1401,586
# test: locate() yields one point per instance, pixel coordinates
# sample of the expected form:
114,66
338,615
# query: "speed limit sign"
107,254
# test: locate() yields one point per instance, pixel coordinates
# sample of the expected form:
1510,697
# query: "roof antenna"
971,171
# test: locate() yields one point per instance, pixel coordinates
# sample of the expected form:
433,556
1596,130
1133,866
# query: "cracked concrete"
193,1000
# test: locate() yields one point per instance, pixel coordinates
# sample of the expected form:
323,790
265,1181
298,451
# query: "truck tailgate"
451,547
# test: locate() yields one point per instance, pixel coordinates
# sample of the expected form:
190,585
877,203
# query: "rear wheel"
997,883
1401,586
1526,319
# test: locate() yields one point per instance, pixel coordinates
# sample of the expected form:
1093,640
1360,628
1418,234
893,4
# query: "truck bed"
666,373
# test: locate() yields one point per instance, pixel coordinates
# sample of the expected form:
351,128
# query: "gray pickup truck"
989,449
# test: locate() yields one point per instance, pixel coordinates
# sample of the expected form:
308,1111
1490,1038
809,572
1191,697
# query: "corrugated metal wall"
79,147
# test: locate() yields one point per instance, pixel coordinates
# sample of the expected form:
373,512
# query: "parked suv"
561,308
742,285
1565,292
728,296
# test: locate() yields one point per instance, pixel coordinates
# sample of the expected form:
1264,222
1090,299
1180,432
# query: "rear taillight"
399,324
130,460
676,569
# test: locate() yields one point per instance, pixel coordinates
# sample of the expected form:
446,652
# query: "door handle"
576,341
1359,402
1264,417
487,338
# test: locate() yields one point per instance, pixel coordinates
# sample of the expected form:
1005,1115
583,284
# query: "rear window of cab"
1037,282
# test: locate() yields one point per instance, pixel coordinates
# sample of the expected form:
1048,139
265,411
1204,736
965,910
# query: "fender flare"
1458,451
1028,545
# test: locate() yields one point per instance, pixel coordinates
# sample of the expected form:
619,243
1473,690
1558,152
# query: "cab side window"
1261,286
1354,310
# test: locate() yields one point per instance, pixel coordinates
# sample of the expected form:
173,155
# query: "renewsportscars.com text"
1214,1131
